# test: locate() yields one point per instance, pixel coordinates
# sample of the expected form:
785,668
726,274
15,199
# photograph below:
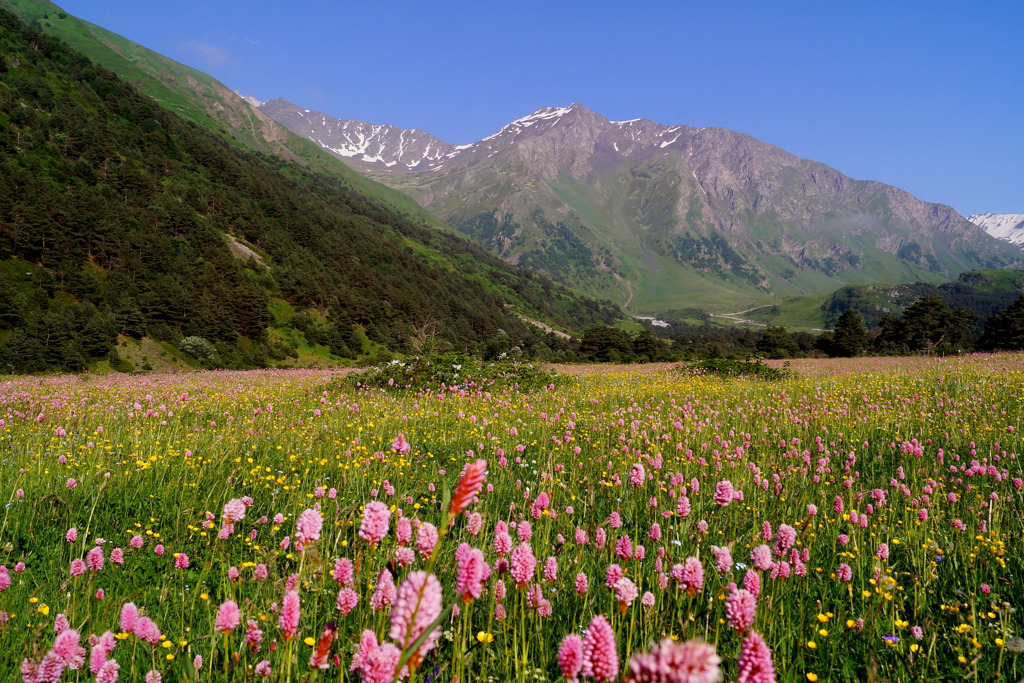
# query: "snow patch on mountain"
250,99
1008,227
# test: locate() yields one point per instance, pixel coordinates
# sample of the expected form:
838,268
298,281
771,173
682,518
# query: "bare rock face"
670,209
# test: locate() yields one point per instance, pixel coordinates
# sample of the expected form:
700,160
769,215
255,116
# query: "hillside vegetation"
201,99
119,217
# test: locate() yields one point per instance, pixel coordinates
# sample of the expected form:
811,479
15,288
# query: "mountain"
660,217
200,98
1008,227
117,216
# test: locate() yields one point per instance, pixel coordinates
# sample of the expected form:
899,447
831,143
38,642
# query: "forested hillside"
118,217
983,292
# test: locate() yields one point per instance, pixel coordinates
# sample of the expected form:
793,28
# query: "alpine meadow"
598,402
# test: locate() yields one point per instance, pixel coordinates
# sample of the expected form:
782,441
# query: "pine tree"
849,338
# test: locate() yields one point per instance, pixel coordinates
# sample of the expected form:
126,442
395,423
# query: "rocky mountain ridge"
660,217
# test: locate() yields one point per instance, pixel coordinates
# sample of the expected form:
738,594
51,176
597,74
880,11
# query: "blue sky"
927,96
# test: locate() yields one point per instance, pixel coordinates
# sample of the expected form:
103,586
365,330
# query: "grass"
934,591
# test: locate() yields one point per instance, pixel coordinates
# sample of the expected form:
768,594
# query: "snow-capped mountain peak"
1008,227
250,99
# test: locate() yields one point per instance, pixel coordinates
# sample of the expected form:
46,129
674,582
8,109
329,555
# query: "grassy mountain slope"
118,216
202,99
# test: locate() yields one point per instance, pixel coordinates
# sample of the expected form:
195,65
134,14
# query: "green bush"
453,370
729,368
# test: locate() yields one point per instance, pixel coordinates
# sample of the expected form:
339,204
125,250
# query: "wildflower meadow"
616,525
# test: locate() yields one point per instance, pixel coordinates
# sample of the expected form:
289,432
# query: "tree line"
928,326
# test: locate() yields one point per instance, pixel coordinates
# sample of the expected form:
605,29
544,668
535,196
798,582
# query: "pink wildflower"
384,593
471,573
234,511
228,617
344,572
740,610
375,522
253,635
600,660
612,574
752,582
761,557
470,483
539,505
403,530
400,445
66,647
289,617
347,600
147,630
376,663
129,617
94,559
417,605
784,538
502,543
580,584
637,475
117,556
523,564
475,524
426,539
755,663
77,566
72,535
723,559
108,672
625,593
97,657
692,579
844,572
570,656
308,528
723,493
181,561
550,569
623,547
671,662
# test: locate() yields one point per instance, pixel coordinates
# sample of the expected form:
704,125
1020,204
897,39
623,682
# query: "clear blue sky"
924,95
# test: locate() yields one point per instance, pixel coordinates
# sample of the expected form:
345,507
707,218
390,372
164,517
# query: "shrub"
453,370
197,347
732,369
